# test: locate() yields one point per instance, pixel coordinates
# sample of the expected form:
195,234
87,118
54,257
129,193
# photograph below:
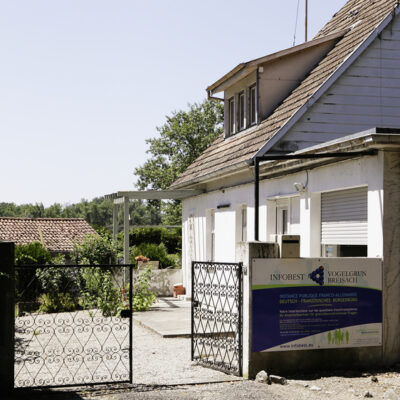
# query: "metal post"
115,222
130,325
240,318
126,230
7,324
306,22
256,198
192,315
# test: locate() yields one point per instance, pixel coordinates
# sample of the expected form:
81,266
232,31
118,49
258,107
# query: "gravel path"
70,347
167,361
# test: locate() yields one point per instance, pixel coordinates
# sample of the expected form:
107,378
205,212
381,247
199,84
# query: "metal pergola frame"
310,156
124,197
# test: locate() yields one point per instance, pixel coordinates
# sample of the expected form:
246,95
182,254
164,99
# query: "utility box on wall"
290,246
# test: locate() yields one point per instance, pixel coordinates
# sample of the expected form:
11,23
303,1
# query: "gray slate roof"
361,17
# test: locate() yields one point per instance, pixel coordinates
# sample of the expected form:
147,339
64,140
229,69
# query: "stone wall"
163,280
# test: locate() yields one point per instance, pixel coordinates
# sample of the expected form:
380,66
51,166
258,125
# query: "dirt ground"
340,386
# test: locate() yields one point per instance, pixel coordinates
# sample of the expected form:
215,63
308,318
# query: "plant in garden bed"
142,296
59,287
95,249
154,252
100,291
62,302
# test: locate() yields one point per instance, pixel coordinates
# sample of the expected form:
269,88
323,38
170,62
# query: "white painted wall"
304,217
367,95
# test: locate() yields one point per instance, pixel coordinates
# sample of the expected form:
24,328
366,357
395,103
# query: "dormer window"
242,119
252,105
231,108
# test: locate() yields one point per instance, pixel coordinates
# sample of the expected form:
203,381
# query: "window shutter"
344,217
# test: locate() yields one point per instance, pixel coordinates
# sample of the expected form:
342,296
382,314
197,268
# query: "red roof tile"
57,234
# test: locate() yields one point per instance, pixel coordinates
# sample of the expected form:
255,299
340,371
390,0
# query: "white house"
338,93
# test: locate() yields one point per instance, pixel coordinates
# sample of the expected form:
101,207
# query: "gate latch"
125,313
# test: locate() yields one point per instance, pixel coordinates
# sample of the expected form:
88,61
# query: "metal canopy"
123,197
154,194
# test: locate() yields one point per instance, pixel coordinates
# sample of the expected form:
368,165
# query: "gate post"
7,315
245,252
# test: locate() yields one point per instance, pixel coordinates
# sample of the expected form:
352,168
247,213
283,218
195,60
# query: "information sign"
303,304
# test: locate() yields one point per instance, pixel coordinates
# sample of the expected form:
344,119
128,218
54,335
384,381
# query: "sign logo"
317,275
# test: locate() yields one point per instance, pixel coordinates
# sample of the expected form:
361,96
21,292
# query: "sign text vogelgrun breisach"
303,304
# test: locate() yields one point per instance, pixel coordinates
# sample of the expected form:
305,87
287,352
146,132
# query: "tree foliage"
97,212
184,136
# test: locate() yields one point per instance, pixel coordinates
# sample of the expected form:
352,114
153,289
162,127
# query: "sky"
84,83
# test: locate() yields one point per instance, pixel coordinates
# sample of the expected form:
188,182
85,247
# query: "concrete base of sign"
289,362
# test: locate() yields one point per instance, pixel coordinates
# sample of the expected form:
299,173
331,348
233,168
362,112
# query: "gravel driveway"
161,361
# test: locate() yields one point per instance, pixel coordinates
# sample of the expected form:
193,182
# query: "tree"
184,136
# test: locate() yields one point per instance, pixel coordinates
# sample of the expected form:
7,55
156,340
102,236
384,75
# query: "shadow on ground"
84,392
342,373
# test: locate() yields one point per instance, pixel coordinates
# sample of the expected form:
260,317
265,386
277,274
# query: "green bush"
142,296
100,291
155,253
31,253
59,288
95,249
61,302
170,237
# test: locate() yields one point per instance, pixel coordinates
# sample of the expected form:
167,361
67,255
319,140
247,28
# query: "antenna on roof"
306,22
295,24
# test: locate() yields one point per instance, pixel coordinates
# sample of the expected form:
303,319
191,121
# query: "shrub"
31,253
170,237
142,296
100,291
155,253
62,302
95,249
59,287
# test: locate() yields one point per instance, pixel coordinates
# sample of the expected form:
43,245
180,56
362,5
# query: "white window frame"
210,222
252,107
241,111
241,223
231,116
279,210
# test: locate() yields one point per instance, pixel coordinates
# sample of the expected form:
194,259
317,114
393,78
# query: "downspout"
257,161
256,198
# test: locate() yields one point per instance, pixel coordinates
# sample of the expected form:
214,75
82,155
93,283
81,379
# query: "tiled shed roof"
361,17
57,234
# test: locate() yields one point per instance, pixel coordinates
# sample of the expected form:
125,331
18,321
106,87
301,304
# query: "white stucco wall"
305,216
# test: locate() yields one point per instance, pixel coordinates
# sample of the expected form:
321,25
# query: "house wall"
367,95
280,77
305,215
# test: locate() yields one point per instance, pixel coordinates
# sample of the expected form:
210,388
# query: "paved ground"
169,317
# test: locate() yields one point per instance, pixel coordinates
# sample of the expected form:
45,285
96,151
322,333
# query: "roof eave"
225,172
